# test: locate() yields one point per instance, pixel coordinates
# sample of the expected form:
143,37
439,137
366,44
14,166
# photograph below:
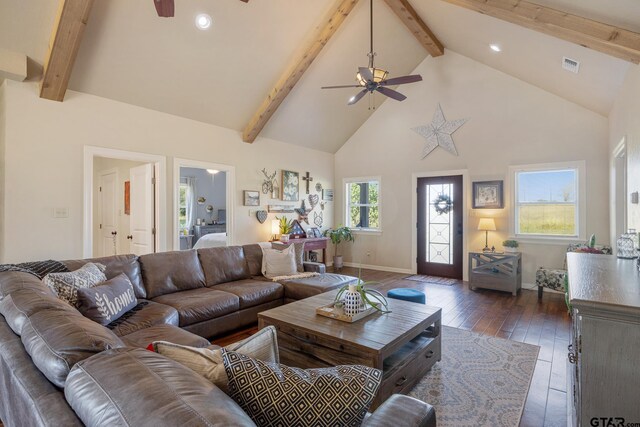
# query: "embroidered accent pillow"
298,247
66,285
276,395
107,301
278,263
262,345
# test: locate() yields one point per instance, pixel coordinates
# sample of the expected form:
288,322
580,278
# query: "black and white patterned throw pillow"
66,285
276,395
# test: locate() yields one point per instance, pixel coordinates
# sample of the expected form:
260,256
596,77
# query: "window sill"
370,231
547,240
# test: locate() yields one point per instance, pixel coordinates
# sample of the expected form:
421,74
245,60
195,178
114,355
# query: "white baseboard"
378,267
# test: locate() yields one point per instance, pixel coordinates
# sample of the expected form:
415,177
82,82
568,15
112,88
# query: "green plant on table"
510,243
285,224
339,235
369,296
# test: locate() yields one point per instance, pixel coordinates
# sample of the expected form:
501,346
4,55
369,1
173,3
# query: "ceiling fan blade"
165,8
402,80
339,87
391,93
365,73
357,97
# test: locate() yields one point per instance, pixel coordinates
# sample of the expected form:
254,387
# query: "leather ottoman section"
167,272
201,304
298,289
157,392
222,265
151,314
127,264
252,292
144,337
231,322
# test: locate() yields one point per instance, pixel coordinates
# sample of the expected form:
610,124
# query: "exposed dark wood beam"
68,29
165,8
417,26
296,69
586,32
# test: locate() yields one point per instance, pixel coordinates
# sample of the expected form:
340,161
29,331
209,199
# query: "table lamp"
275,228
486,225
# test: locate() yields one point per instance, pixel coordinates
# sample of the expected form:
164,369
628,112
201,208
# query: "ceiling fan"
373,79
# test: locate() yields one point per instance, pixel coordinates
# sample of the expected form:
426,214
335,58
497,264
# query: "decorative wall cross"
308,179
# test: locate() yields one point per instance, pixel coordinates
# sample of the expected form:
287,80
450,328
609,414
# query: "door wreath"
442,204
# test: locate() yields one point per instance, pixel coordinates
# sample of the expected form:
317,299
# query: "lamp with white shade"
275,229
486,225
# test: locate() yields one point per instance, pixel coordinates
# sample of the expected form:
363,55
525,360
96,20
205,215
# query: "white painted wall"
510,123
44,165
123,167
2,169
212,190
624,122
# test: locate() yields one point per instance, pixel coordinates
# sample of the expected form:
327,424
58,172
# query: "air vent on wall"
570,65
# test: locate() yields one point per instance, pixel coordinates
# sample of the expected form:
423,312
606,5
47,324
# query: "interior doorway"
440,226
124,203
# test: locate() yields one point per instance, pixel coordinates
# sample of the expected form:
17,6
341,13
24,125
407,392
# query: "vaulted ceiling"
222,75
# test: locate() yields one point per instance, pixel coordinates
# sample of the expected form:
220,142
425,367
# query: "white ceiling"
221,76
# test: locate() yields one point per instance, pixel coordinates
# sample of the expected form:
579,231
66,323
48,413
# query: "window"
363,204
548,200
182,207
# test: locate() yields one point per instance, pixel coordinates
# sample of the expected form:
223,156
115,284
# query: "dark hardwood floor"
521,318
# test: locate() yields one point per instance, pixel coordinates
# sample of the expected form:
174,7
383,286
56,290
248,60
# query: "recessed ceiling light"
203,21
495,47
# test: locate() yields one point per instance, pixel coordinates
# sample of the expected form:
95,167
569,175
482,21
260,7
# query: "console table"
603,378
498,271
312,244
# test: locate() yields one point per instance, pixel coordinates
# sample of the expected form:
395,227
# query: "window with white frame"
182,206
548,200
363,204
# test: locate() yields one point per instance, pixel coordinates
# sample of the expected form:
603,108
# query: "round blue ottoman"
407,294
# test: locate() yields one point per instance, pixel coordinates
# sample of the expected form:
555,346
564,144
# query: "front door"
142,219
440,226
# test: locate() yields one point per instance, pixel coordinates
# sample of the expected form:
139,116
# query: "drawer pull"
401,381
429,354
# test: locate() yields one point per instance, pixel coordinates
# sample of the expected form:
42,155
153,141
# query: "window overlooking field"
363,204
546,202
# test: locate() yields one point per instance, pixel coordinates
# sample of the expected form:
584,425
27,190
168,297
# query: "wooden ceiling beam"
417,26
605,38
296,69
68,29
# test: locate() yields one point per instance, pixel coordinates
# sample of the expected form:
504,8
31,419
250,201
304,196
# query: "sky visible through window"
547,186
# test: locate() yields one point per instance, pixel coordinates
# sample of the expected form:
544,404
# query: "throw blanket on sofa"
37,268
295,276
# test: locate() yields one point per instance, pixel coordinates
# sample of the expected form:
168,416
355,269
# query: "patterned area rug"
432,279
480,381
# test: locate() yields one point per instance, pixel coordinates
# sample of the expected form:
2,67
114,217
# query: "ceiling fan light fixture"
203,21
378,75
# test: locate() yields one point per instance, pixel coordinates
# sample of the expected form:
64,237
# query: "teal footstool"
407,294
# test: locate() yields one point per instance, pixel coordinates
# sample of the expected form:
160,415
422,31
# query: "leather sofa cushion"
157,391
167,272
253,292
298,289
170,333
223,265
253,255
197,305
58,339
20,304
11,281
148,315
127,264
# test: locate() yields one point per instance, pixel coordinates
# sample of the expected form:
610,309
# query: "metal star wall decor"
438,133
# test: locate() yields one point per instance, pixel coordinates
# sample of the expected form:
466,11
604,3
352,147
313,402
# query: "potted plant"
356,297
285,228
510,245
337,236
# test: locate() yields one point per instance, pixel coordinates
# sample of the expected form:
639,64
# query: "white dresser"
604,357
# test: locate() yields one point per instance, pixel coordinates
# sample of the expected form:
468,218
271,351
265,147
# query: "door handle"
113,233
459,229
130,237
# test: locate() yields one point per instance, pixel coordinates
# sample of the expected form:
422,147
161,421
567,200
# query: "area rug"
480,381
432,279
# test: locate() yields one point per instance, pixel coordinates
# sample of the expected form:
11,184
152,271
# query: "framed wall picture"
290,186
127,197
251,198
327,195
488,195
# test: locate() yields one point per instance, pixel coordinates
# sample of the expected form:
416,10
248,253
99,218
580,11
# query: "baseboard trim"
378,267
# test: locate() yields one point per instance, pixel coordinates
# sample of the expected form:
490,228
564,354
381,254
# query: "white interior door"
108,212
142,209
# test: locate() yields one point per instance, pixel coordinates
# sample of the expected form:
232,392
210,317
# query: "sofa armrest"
412,412
315,267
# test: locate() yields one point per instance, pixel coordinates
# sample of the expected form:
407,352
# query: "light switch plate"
61,212
634,197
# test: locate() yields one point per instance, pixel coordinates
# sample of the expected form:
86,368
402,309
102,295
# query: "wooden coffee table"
404,344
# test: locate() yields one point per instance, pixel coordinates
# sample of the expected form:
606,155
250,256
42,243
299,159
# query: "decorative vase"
352,301
284,237
337,262
626,247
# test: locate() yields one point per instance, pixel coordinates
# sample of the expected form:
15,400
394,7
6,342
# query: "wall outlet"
368,253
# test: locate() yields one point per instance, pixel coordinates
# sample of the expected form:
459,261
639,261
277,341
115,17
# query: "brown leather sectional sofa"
56,365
